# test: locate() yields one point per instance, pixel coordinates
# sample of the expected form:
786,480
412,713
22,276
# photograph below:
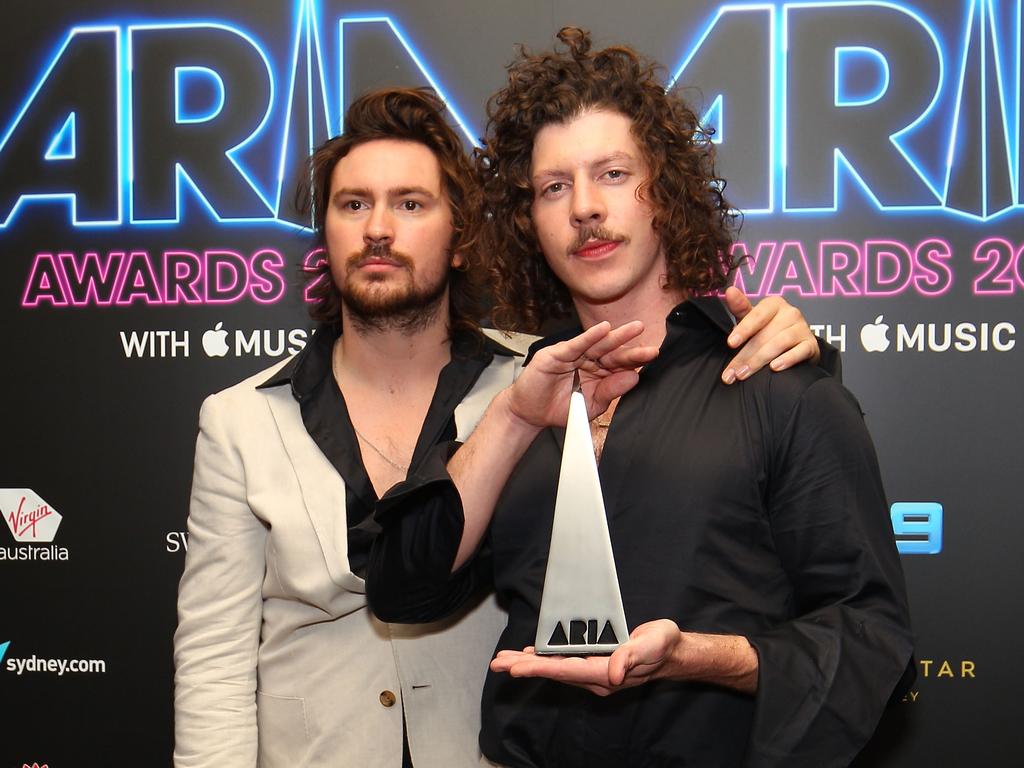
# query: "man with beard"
278,659
751,535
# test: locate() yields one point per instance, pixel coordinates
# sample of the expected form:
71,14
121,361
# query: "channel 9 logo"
918,527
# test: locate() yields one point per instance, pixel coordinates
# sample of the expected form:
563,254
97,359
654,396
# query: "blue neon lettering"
62,145
237,148
65,142
187,80
850,63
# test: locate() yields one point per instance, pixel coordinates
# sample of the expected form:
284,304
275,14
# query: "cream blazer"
279,663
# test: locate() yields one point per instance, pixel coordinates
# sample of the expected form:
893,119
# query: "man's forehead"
594,137
384,164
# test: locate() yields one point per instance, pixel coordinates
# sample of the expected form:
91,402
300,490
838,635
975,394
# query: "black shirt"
326,418
754,509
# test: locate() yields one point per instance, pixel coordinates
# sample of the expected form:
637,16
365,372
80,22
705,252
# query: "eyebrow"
612,157
392,192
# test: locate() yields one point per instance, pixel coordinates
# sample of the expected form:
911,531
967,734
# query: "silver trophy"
581,607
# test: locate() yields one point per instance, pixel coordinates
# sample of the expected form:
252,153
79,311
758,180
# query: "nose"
588,205
379,227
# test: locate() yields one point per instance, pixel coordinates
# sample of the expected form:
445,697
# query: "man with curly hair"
750,529
278,660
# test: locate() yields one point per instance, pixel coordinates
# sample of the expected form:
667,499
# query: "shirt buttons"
387,698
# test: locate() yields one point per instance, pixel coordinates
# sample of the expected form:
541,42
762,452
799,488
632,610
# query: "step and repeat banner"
150,255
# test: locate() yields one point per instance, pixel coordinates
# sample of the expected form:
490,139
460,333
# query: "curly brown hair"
693,221
405,114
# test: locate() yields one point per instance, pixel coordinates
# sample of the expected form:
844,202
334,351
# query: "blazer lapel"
323,490
496,376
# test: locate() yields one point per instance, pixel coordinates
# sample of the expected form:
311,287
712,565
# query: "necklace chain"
360,435
604,420
378,451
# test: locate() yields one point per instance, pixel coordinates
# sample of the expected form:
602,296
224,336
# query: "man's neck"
392,359
388,378
649,304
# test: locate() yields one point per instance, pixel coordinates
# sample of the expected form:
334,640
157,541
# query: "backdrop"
149,256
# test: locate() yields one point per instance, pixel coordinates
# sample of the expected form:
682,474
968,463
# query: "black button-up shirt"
754,509
326,418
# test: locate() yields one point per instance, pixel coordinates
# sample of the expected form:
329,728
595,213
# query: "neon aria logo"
881,102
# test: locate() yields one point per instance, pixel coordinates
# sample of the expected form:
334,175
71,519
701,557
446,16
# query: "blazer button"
387,698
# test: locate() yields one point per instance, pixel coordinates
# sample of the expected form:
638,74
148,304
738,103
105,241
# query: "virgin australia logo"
29,517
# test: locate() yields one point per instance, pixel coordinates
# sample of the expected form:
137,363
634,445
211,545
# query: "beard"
376,303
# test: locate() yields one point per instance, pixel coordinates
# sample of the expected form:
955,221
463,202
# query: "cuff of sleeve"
430,478
421,522
795,724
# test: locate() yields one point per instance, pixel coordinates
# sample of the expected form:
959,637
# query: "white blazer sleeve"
219,607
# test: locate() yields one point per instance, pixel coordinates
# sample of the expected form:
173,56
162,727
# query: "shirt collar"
699,310
312,365
707,307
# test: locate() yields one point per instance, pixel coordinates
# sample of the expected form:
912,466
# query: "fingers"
615,339
737,302
614,352
626,358
758,318
570,352
639,659
772,332
590,672
600,350
610,387
619,663
601,675
805,350
505,660
758,352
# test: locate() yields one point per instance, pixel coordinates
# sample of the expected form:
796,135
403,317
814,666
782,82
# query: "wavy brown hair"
404,114
693,221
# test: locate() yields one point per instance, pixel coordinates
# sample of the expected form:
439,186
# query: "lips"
380,258
596,249
378,263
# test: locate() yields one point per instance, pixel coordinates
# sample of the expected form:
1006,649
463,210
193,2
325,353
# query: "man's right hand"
607,367
539,398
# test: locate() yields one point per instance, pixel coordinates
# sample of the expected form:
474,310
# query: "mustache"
381,251
597,232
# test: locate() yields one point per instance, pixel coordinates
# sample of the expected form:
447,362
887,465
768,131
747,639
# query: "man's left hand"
772,332
656,649
634,662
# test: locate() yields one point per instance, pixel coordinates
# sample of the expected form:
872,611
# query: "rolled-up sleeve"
409,578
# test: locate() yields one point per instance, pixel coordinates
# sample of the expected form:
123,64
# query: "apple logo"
873,336
214,344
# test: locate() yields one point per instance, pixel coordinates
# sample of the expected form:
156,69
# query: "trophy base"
584,638
576,650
